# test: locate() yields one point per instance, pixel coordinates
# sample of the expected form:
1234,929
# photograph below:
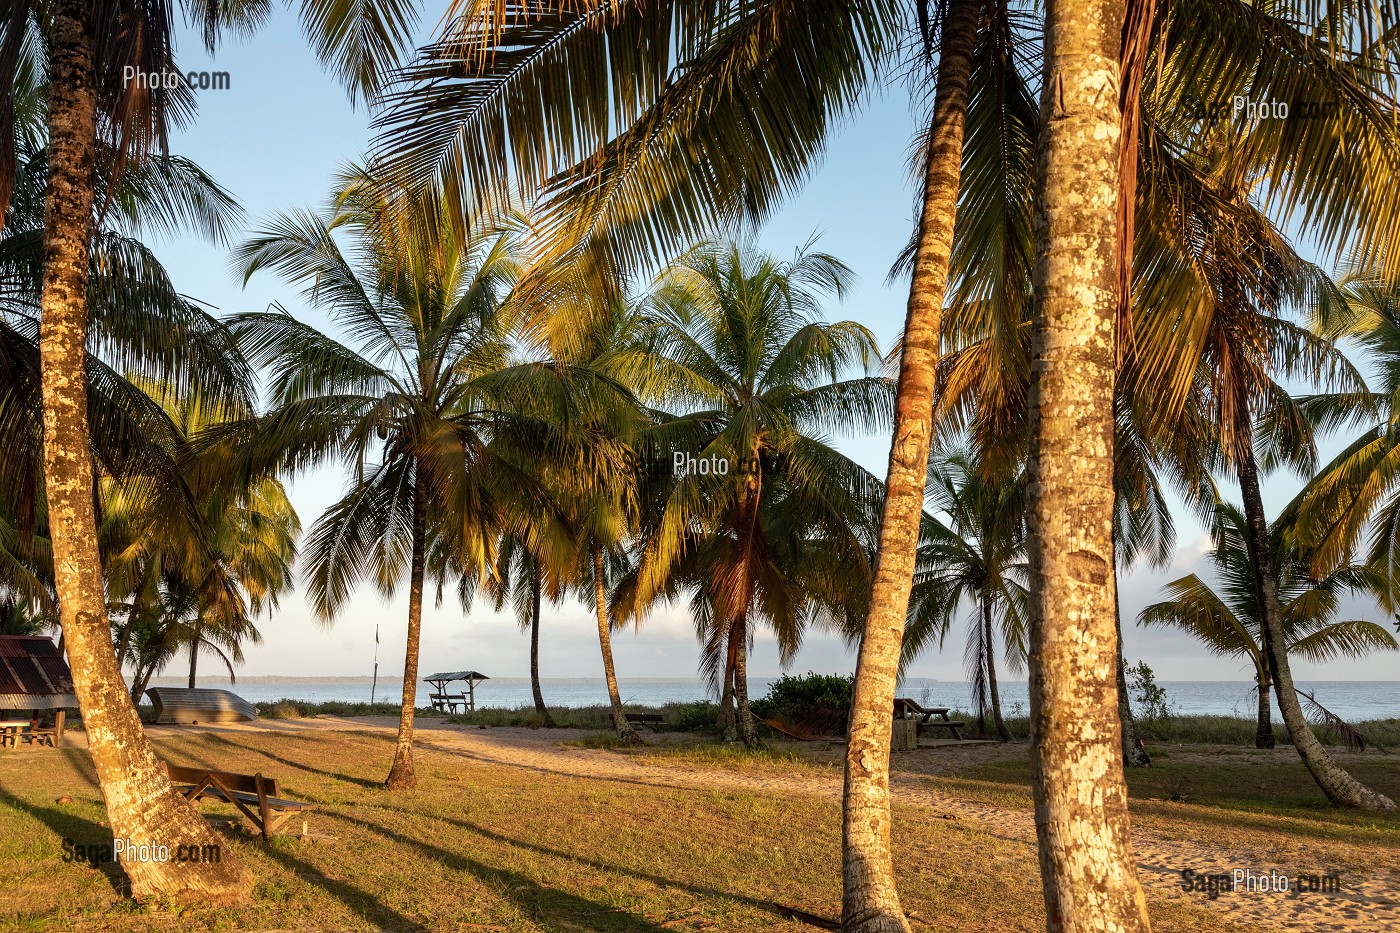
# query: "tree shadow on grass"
367,783
80,829
547,905
660,881
360,901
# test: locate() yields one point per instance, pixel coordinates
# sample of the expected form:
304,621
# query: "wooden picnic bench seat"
245,791
905,708
644,719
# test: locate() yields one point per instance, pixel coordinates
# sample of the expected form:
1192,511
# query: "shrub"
701,716
819,703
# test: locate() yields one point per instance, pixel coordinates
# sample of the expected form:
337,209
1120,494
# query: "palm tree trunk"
141,803
535,602
748,731
1086,860
1000,723
1339,786
142,678
982,696
194,656
870,900
729,730
1134,754
1264,730
401,773
621,726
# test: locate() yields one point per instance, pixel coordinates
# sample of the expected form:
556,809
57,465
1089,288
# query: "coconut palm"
754,511
194,588
976,554
87,48
604,344
411,403
1355,494
1227,618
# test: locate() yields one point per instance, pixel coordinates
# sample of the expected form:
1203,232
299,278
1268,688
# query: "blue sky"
275,137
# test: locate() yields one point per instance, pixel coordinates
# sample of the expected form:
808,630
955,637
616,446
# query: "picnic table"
445,702
11,730
14,731
253,794
905,708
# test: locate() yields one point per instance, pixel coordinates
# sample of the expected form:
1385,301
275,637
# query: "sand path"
1364,903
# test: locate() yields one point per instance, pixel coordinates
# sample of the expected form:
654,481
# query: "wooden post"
905,737
58,727
471,695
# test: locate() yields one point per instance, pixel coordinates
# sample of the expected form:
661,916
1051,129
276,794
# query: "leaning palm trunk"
870,902
535,601
1081,800
401,774
621,726
1003,732
1339,786
142,806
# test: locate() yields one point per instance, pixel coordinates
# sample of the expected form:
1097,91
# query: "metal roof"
457,675
33,674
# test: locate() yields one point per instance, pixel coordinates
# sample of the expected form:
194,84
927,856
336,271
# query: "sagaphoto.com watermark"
169,80
1259,881
126,851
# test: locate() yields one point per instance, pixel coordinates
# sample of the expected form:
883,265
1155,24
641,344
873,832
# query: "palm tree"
521,573
87,48
410,409
1356,492
1085,854
205,583
600,334
976,554
1228,617
754,511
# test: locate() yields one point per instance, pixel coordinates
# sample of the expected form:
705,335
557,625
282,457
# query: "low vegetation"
484,846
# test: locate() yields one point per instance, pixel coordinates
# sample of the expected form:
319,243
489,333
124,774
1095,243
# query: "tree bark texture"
142,806
870,900
401,774
621,726
1086,860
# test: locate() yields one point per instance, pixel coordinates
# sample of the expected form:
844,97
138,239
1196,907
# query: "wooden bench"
905,708
448,702
12,730
644,719
245,791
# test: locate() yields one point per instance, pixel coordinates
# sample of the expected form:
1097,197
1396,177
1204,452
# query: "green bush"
701,716
819,703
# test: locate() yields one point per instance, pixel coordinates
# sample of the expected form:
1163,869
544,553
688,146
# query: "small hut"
34,679
448,702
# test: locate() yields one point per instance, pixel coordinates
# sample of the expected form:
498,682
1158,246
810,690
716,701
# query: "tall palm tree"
680,155
754,509
1228,619
1086,858
525,574
603,342
976,554
408,404
88,46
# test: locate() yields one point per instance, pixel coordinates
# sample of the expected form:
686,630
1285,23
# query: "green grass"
484,846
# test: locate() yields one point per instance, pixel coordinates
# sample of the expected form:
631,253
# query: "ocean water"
1354,700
